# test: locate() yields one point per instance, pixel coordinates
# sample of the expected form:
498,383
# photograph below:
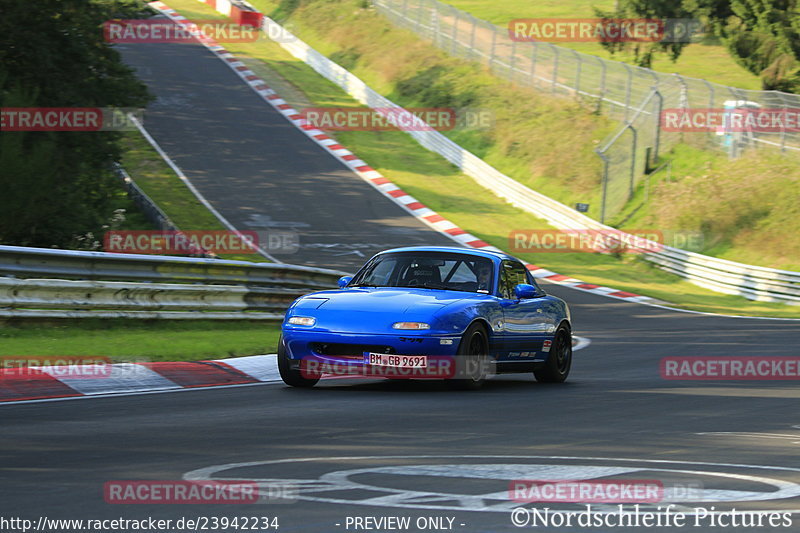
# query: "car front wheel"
289,375
473,359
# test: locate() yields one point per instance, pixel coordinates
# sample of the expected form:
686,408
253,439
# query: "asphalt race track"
257,169
347,450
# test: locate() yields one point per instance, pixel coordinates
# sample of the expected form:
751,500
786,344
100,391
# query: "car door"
526,325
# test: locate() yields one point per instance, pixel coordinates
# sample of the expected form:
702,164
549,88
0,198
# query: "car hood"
375,309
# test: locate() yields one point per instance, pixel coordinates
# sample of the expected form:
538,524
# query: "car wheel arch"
486,327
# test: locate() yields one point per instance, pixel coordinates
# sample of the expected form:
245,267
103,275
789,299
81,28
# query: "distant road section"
258,170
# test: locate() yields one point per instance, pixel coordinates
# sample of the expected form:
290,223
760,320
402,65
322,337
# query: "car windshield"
430,270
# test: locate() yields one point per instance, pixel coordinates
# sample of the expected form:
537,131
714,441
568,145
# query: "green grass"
706,60
139,340
440,185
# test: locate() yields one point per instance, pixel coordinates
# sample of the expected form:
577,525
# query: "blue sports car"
428,312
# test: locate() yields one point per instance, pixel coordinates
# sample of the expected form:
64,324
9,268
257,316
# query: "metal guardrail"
752,282
100,284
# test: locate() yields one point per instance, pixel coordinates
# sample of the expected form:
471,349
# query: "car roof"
491,254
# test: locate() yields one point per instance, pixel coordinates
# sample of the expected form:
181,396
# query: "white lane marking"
124,377
720,315
136,393
175,168
795,439
579,343
261,367
339,480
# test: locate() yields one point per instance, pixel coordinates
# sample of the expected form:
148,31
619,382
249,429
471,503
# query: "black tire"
473,358
556,369
289,375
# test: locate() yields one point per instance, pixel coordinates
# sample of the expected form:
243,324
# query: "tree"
764,37
647,9
57,185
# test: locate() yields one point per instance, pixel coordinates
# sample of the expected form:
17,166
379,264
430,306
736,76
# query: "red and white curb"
414,207
54,382
119,379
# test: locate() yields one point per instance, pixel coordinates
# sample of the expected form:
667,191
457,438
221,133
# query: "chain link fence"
636,96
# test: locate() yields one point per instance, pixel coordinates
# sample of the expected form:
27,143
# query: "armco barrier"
135,286
45,263
752,282
51,297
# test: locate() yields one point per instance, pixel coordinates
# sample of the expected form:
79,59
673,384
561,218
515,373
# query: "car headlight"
411,325
303,320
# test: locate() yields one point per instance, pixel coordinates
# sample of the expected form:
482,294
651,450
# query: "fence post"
456,16
421,10
472,36
436,32
633,161
628,89
604,181
577,73
555,67
512,60
657,140
534,53
602,82
494,43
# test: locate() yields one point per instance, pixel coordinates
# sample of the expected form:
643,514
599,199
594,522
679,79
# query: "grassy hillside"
547,143
707,59
437,183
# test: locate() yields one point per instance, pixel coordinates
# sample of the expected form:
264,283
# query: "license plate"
399,361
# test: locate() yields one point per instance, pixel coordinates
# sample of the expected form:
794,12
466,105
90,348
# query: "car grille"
336,349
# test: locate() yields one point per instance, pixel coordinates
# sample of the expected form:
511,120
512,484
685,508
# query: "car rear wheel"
556,369
289,375
472,359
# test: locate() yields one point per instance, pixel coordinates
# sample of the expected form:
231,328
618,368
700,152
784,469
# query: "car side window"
512,274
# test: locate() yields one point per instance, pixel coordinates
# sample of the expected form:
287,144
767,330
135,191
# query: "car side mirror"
344,280
524,291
